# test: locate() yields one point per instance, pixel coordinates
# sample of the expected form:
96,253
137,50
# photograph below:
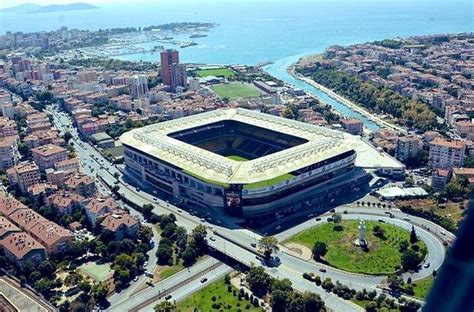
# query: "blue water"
252,32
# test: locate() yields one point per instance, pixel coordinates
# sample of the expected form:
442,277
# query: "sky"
10,3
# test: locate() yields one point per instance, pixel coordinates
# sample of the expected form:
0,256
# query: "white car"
427,265
135,278
212,238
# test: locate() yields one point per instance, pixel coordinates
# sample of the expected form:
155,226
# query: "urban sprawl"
116,175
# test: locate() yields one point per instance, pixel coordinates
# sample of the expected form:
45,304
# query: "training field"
217,72
236,90
99,272
237,158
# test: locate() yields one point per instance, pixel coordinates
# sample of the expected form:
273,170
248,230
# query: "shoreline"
371,116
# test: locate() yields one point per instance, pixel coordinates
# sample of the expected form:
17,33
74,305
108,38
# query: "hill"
64,7
34,8
24,7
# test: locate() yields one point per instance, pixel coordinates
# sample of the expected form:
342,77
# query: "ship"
197,36
187,44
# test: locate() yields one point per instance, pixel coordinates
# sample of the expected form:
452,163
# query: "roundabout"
381,256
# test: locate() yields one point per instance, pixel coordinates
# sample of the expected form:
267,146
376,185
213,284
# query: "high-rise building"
447,154
168,57
138,86
407,147
179,77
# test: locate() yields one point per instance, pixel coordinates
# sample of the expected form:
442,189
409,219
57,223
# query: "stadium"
248,163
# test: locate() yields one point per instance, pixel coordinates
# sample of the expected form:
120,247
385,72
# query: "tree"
413,237
279,299
145,233
44,286
403,245
169,231
199,234
189,256
269,244
147,211
67,136
411,259
395,282
165,306
164,254
379,231
454,189
409,181
283,285
336,218
319,250
99,291
259,281
312,302
371,306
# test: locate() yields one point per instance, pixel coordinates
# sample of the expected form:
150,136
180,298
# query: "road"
178,285
233,240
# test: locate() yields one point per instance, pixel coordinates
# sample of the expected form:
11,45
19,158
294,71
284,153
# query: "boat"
197,36
187,44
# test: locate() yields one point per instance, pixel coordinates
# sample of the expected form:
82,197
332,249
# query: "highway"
234,241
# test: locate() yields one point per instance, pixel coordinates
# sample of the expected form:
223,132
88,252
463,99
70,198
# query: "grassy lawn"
270,182
422,287
99,272
218,72
202,300
449,210
164,271
237,158
237,90
383,255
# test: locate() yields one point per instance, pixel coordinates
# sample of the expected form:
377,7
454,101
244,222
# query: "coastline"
353,106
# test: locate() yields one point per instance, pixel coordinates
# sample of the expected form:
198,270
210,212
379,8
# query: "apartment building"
24,175
47,155
407,147
20,247
8,152
446,153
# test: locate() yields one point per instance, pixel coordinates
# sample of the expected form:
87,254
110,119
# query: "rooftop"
322,143
113,222
20,244
48,150
448,143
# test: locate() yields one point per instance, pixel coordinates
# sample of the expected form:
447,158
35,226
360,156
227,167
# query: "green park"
236,90
217,296
217,72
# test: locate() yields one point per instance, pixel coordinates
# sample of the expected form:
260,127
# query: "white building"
447,154
138,86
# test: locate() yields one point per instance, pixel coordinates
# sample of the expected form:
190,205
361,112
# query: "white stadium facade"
251,164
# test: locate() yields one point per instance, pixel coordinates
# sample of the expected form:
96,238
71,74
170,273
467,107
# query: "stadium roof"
323,143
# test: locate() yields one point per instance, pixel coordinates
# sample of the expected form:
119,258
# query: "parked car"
322,270
204,280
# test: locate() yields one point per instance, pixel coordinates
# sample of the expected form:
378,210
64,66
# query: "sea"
258,31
